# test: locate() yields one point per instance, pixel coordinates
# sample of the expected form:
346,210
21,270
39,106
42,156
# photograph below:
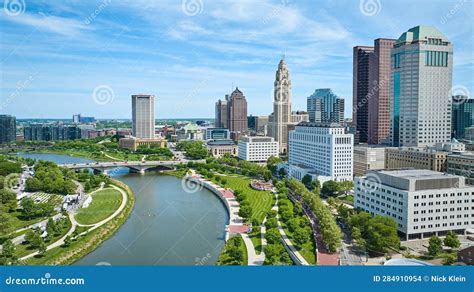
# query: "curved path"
74,223
236,223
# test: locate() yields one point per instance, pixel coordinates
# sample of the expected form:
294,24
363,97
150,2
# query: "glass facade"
396,109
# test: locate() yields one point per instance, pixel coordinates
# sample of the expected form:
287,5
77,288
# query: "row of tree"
331,233
275,253
292,216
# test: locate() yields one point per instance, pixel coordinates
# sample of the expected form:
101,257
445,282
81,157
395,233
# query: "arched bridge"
135,166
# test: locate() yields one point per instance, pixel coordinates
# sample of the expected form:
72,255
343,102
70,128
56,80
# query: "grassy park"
104,203
260,201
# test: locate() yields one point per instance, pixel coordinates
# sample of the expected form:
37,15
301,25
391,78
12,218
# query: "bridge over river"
135,166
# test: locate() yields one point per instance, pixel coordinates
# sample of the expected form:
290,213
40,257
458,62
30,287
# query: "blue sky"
64,57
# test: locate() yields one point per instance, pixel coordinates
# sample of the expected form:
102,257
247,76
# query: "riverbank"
85,244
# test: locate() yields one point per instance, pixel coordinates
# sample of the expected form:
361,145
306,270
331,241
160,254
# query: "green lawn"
104,203
260,201
19,222
256,238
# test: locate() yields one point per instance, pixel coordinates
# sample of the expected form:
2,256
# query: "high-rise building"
325,107
237,114
422,69
221,113
360,90
281,106
378,96
7,129
51,132
463,115
143,116
322,151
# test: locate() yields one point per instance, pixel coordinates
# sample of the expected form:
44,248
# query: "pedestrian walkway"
236,223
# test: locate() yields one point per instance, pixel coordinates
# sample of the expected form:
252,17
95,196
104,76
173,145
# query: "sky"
58,58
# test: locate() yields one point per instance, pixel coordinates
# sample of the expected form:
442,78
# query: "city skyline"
64,56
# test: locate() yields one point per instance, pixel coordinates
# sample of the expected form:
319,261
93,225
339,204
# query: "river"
167,226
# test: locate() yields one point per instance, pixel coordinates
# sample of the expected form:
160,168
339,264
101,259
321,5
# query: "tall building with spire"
281,106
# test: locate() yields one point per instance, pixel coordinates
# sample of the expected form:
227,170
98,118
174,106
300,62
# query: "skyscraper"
281,106
325,107
360,89
221,113
7,129
378,95
143,116
463,115
422,69
237,114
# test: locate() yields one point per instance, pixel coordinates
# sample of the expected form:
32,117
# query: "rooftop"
319,125
421,33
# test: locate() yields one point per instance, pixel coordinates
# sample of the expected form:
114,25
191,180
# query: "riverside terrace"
135,166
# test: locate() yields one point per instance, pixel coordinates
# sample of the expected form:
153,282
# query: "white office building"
422,202
421,85
322,151
258,148
143,116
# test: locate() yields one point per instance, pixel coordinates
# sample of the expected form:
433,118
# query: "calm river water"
168,226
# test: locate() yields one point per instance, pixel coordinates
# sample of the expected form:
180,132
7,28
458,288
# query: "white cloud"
50,23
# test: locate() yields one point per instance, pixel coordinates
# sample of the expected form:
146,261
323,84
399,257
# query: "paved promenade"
236,223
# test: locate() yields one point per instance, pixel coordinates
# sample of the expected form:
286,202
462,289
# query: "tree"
8,199
382,234
8,254
271,223
29,208
330,188
452,240
435,246
5,223
282,172
67,241
301,235
42,248
357,237
33,238
307,179
272,236
449,259
245,212
293,224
